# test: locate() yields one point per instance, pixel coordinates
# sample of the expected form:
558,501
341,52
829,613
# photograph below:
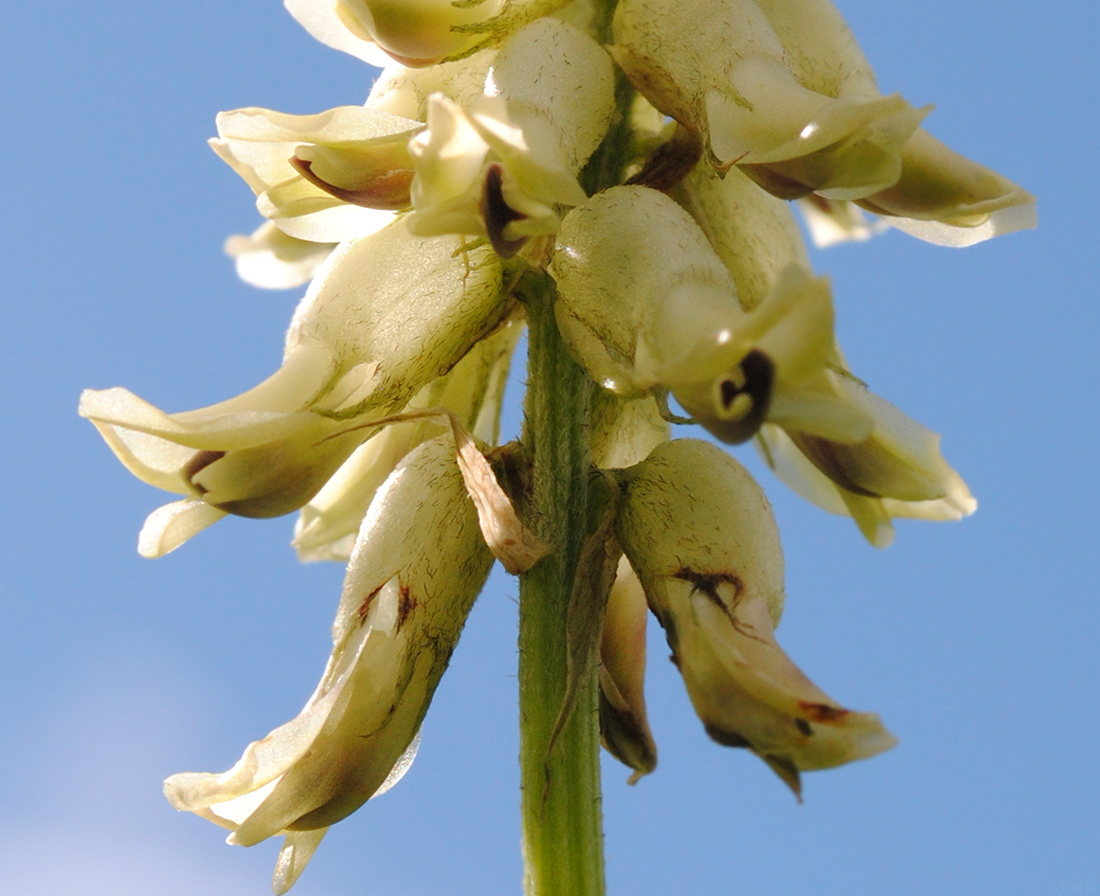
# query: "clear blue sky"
977,642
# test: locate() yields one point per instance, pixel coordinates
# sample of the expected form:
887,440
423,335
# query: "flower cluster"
638,160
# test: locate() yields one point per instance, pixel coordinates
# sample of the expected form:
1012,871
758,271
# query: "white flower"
501,166
323,178
418,565
473,390
646,304
700,535
387,315
724,73
417,32
896,471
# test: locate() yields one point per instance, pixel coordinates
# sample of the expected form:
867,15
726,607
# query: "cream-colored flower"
502,166
646,304
366,338
896,471
419,563
473,391
328,177
878,463
700,534
624,726
724,73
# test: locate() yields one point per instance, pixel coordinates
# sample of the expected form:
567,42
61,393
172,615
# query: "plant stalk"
562,827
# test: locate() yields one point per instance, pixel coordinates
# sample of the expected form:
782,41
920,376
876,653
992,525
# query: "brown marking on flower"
706,583
834,460
387,189
754,378
406,603
726,738
364,607
774,179
199,462
670,162
498,214
822,712
804,726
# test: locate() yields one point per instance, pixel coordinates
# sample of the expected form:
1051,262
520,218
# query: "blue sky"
977,642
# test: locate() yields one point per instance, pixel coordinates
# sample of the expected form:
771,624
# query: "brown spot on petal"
822,712
406,603
670,162
754,377
832,459
804,726
388,190
199,462
780,185
364,607
726,738
498,214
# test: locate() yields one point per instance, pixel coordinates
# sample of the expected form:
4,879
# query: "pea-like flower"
328,177
418,564
501,167
363,342
473,391
783,90
700,534
413,32
723,72
646,304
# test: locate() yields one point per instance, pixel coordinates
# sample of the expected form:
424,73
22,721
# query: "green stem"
562,832
560,774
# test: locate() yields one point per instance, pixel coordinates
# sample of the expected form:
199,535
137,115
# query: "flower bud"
418,564
700,535
364,340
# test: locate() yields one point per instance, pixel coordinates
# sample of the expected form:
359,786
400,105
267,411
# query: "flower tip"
169,526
